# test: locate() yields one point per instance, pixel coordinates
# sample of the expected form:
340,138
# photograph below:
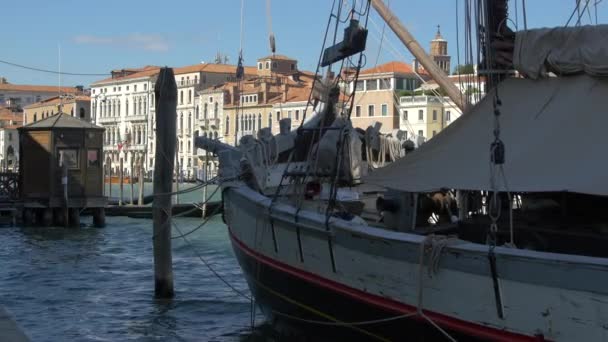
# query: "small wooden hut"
50,150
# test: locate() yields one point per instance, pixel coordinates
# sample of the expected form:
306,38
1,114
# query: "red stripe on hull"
448,322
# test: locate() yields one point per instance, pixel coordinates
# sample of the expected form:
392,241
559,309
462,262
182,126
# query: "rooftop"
56,100
37,88
277,57
390,67
61,120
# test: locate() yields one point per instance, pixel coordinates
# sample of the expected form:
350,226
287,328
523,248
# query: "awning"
555,132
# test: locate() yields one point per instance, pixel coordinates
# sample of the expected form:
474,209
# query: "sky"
98,36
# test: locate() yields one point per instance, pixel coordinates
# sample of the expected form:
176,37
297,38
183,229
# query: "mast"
429,65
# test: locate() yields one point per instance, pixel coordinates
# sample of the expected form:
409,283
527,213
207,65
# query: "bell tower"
439,52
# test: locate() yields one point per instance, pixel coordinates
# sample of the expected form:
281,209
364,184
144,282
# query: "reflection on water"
93,284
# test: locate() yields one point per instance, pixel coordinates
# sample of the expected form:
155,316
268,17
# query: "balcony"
140,117
189,83
108,119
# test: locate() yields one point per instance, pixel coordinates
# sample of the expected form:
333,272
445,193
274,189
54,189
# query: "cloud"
148,42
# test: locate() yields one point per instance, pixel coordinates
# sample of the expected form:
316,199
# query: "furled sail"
562,50
554,131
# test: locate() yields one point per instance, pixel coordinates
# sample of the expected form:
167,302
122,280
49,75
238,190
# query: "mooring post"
110,183
64,182
103,175
205,179
140,178
131,179
166,114
177,168
121,173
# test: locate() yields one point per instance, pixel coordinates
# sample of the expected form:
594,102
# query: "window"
278,116
297,114
259,65
293,66
127,87
434,115
384,110
227,125
385,83
119,88
370,110
196,112
135,87
267,65
289,114
274,65
434,133
181,97
259,120
420,115
205,112
114,89
145,86
420,133
215,111
82,111
359,85
372,85
448,116
69,157
10,136
358,111
189,96
93,158
405,115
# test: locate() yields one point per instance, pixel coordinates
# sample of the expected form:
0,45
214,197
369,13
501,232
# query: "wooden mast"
412,44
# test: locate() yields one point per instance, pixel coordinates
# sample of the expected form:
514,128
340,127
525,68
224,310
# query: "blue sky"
97,36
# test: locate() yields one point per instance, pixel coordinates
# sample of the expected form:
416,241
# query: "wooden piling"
166,114
177,173
110,174
140,177
205,179
121,173
131,177
64,182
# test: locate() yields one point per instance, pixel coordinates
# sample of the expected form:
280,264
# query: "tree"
464,69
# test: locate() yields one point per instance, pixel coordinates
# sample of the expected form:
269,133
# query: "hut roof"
60,120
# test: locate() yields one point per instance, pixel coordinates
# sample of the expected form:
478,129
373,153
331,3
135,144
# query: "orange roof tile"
394,66
56,100
37,88
277,57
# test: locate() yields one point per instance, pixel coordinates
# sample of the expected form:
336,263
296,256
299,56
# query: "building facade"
21,95
9,138
124,105
78,106
376,98
425,116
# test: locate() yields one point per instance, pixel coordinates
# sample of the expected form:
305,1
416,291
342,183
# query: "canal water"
96,284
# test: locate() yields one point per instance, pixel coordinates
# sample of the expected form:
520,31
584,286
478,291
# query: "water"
195,196
92,284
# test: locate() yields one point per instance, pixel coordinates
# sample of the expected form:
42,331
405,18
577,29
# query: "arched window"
215,135
181,97
135,106
82,113
118,111
189,121
181,121
127,106
251,122
227,125
205,112
139,111
215,111
145,106
189,96
259,121
196,111
236,124
270,122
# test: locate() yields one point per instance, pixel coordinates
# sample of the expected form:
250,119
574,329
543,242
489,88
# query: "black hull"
281,294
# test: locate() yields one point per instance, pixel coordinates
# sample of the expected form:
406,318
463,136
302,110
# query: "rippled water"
93,284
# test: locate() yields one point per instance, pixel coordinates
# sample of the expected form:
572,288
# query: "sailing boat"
313,257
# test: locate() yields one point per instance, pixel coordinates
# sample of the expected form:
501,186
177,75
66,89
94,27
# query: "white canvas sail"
554,130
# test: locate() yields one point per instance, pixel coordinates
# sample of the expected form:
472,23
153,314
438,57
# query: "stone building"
78,106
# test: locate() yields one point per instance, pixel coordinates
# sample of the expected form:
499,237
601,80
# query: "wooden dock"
185,209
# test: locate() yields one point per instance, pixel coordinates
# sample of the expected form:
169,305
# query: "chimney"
265,88
284,90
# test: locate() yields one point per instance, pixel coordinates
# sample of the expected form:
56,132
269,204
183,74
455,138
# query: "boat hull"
349,272
291,298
